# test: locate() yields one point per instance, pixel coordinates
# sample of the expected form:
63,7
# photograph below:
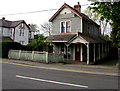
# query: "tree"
111,12
96,17
39,44
45,27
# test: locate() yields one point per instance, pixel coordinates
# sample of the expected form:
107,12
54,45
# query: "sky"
21,6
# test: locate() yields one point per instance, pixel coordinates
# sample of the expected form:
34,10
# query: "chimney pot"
3,18
78,7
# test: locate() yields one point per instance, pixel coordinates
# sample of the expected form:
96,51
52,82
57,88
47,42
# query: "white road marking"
50,81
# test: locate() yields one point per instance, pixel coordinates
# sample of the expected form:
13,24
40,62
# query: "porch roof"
61,38
92,39
71,37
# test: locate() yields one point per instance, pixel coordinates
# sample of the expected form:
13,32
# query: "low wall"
42,57
29,55
55,58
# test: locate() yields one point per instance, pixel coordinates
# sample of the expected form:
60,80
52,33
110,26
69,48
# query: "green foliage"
39,44
7,45
111,12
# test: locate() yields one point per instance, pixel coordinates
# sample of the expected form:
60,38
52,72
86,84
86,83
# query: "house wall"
90,28
19,38
6,32
0,31
56,48
12,33
75,23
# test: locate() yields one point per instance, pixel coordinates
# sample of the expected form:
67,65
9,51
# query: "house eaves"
11,24
63,6
79,14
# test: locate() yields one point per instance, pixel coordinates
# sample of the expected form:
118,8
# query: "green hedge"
7,45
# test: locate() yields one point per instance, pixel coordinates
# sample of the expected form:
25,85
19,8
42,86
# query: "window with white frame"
21,42
22,25
11,32
65,27
21,32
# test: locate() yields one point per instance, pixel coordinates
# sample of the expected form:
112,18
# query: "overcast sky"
21,6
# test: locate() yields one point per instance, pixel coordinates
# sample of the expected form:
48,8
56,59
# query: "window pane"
62,27
68,26
23,32
20,32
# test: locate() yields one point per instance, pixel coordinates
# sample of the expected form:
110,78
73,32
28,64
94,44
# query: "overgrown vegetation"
39,44
110,11
7,45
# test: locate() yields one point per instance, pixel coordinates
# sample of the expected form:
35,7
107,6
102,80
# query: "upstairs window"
65,27
21,32
10,32
22,25
62,27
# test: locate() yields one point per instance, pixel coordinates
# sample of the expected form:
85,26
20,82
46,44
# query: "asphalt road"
24,77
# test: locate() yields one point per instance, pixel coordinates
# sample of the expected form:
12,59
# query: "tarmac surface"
90,69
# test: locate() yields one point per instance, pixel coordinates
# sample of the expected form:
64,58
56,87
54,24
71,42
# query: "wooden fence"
42,57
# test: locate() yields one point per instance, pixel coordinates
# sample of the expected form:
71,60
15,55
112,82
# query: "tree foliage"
39,44
96,17
111,12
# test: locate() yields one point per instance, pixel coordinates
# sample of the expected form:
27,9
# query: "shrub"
7,45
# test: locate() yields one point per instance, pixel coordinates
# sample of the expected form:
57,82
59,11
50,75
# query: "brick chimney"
78,7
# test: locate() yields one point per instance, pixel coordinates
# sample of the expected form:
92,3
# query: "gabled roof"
11,24
63,6
79,14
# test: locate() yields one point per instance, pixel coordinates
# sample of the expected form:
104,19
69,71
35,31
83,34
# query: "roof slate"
9,24
68,37
91,39
64,38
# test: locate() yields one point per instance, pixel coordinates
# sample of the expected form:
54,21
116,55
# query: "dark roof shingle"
61,38
10,24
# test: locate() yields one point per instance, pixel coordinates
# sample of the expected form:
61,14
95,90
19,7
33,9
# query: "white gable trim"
65,11
79,40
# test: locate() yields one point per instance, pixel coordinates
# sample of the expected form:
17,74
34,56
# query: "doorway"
77,52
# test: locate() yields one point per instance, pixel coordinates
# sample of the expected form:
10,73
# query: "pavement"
90,69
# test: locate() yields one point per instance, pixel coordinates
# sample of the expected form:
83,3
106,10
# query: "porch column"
94,52
67,45
81,53
67,51
88,60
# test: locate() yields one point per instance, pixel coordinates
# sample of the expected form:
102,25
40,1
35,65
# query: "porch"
79,52
80,48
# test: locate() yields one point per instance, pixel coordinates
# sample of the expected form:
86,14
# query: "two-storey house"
17,31
76,36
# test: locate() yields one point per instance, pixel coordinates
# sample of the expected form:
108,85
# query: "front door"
77,52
